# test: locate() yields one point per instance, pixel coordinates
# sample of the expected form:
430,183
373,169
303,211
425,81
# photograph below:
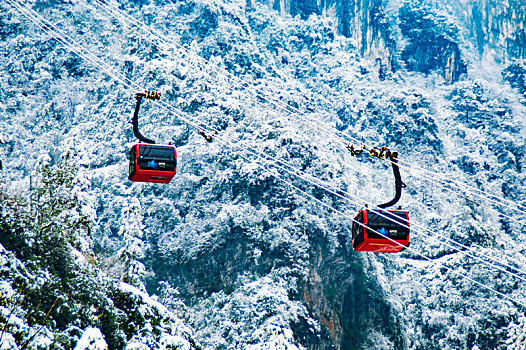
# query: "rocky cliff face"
351,306
497,28
365,21
423,36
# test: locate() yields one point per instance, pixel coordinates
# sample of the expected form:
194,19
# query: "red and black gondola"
152,163
380,230
148,161
383,230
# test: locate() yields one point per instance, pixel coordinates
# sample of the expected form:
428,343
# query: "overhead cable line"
328,129
230,144
117,13
441,182
274,163
425,177
105,67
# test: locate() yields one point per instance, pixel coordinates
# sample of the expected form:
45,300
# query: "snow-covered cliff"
425,35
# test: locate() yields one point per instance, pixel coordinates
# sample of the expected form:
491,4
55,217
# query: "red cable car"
372,229
382,230
150,162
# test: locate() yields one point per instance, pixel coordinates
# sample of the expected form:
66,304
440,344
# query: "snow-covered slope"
258,264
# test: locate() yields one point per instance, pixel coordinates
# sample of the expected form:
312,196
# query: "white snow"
92,339
174,342
7,341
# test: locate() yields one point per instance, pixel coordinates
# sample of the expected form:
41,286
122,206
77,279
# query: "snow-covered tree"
132,232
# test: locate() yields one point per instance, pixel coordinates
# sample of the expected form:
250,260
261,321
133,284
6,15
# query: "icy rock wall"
363,20
432,42
346,298
498,28
418,35
341,291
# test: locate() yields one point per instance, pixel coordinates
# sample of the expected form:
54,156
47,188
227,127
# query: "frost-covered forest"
249,246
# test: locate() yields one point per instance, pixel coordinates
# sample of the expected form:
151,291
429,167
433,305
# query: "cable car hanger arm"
398,184
135,120
384,153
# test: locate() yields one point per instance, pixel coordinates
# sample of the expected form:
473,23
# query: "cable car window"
357,229
156,152
157,158
133,157
381,232
391,224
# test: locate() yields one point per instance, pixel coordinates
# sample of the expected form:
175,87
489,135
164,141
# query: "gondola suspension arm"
384,153
135,120
398,183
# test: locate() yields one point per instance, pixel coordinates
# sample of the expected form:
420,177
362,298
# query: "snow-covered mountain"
236,252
